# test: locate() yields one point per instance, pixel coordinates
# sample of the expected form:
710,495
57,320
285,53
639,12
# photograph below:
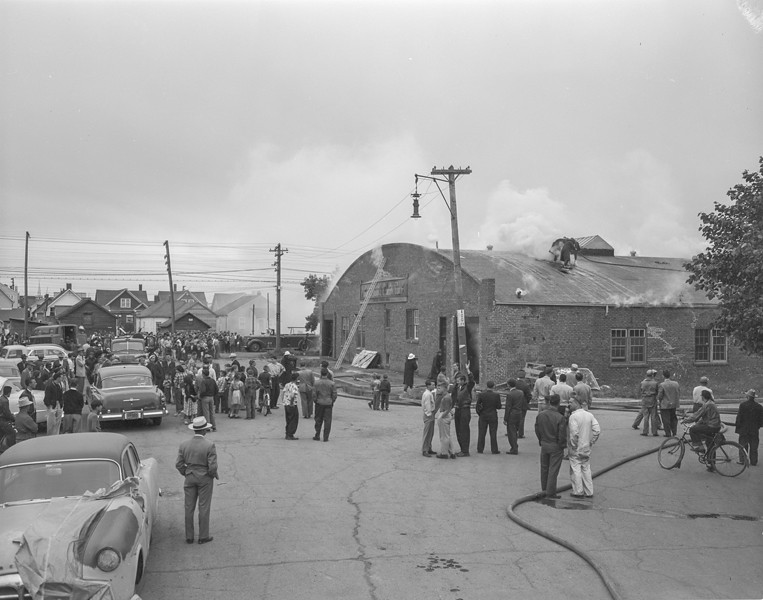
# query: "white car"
39,405
46,352
12,354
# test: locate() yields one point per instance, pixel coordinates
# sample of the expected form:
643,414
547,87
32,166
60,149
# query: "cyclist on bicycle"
708,422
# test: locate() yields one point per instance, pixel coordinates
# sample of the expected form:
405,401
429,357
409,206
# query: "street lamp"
452,174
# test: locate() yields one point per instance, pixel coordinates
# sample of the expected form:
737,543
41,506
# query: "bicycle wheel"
729,459
671,453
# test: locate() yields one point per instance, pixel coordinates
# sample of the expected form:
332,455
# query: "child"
384,390
93,422
375,387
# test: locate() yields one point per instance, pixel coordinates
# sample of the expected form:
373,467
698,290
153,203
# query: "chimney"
68,286
489,247
140,287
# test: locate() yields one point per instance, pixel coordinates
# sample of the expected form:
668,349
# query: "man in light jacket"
583,430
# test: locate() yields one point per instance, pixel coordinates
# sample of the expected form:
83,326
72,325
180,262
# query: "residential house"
151,318
246,315
90,315
9,298
125,304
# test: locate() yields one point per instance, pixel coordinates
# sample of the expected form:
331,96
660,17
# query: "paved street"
366,516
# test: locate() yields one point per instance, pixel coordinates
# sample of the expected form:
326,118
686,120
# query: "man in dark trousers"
462,401
53,400
524,386
668,398
7,419
73,402
197,462
325,397
749,420
487,407
512,416
551,429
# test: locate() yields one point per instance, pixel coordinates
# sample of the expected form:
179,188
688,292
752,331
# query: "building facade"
615,315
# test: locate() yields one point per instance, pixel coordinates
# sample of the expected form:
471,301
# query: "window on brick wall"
345,329
412,324
628,346
710,346
361,334
387,318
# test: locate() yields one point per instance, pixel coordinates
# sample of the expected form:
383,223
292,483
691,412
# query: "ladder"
354,328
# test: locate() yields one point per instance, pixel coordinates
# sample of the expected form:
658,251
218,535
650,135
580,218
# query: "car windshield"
42,481
127,347
126,380
8,371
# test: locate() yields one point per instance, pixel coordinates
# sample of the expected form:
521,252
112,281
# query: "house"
125,304
187,321
246,315
90,315
616,315
183,294
65,299
9,298
153,317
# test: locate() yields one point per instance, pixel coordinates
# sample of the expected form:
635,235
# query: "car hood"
15,520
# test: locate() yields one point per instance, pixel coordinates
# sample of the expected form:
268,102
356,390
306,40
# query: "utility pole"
172,288
279,252
26,287
452,174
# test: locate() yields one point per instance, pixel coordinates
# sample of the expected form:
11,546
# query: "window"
387,318
361,335
128,318
125,302
345,329
628,346
412,324
710,345
87,319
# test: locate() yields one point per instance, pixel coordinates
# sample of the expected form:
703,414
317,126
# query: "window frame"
633,349
412,324
125,303
713,344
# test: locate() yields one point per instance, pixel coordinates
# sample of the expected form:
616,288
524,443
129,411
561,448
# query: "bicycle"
726,458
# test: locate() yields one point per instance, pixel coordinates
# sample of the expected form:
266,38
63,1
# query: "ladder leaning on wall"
354,328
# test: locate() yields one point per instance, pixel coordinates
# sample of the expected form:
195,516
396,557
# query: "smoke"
674,294
752,10
377,257
525,222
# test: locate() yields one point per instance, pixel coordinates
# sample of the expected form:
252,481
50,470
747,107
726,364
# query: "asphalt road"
365,516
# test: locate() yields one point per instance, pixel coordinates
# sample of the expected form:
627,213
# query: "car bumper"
134,415
11,587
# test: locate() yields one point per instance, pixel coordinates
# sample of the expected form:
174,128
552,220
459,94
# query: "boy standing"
384,389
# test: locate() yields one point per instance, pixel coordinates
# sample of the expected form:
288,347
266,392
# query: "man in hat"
748,422
72,402
53,400
6,417
668,397
411,366
197,462
26,427
648,412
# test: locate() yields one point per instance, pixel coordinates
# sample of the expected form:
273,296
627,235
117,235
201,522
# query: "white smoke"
752,10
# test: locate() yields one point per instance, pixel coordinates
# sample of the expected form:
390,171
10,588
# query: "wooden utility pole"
452,174
172,288
26,288
279,252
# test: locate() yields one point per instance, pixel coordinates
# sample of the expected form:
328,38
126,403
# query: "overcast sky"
228,127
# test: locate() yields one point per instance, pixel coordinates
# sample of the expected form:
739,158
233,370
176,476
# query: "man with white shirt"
583,431
428,407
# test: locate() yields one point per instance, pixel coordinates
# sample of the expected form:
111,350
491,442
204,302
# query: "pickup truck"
293,340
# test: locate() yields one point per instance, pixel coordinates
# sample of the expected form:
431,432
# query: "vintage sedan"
128,350
76,516
128,394
12,354
45,352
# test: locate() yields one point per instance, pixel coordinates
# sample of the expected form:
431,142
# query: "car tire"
157,421
254,347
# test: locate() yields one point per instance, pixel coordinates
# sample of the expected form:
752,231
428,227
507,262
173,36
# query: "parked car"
45,352
65,335
12,354
128,394
9,370
39,405
128,350
76,516
294,340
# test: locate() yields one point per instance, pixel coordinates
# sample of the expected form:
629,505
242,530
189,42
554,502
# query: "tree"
731,267
315,287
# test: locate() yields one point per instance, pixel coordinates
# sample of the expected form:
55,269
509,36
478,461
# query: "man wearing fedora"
26,427
197,462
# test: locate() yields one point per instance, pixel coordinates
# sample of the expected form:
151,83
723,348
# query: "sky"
226,128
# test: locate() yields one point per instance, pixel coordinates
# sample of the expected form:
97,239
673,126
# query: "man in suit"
668,398
325,397
197,462
487,407
551,430
749,420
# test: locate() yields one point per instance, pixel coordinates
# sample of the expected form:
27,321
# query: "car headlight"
108,559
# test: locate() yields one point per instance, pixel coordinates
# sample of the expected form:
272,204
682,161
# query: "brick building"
616,315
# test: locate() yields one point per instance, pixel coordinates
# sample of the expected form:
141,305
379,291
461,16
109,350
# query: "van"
67,336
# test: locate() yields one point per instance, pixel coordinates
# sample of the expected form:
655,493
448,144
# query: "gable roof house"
616,315
9,298
156,316
90,315
125,304
245,315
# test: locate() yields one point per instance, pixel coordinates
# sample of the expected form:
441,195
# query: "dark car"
293,340
128,394
128,350
76,516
